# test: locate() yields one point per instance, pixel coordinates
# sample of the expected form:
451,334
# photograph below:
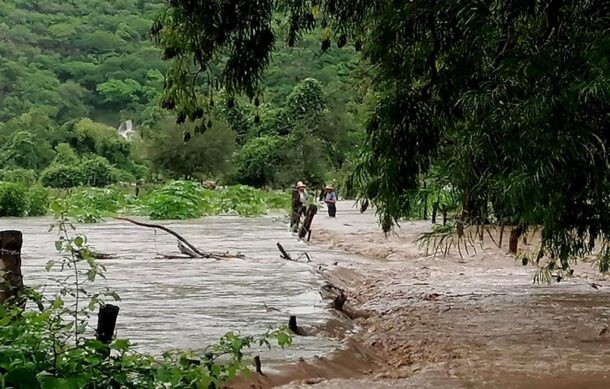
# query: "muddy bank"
463,322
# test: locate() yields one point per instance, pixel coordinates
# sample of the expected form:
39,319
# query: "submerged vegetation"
175,200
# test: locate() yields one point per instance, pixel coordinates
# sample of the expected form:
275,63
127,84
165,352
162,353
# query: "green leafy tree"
257,161
25,151
97,172
515,95
205,155
61,176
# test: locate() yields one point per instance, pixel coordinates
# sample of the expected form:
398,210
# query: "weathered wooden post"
106,322
11,279
258,365
295,205
311,212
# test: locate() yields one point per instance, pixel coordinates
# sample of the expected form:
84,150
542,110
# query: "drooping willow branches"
505,101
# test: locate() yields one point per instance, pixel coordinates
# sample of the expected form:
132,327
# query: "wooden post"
311,212
296,216
292,324
257,365
11,279
106,322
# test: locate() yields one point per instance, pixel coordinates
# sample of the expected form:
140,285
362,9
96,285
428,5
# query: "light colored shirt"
332,197
303,198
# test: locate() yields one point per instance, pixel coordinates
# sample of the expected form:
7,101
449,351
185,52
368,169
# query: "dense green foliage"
175,200
18,199
93,59
506,103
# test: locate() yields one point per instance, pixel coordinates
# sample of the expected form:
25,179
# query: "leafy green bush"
177,200
13,199
121,175
89,205
65,155
61,176
38,201
188,200
97,171
22,176
243,200
256,162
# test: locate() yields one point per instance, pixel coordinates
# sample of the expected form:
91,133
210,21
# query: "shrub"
88,205
61,176
22,176
121,175
139,171
65,155
243,200
257,161
13,199
97,171
176,200
38,201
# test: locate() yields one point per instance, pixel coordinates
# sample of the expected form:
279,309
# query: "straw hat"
329,186
301,185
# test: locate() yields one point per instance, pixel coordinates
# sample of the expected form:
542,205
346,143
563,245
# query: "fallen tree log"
184,246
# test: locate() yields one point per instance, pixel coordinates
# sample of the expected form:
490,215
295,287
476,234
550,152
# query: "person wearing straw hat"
299,204
331,200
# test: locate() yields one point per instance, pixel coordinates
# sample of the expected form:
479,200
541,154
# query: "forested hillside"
72,71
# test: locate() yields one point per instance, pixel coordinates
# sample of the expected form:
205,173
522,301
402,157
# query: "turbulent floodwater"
190,303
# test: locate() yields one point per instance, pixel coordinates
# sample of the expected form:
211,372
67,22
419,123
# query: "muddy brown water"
190,303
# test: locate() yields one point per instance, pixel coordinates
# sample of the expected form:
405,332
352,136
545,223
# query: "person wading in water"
299,204
331,200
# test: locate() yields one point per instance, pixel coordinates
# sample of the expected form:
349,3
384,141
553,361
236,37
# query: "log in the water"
183,245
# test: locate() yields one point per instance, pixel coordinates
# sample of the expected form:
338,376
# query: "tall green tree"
512,97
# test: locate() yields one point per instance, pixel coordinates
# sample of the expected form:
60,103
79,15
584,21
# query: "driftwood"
288,257
284,255
184,246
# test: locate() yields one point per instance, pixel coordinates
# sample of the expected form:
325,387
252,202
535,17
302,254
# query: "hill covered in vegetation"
72,71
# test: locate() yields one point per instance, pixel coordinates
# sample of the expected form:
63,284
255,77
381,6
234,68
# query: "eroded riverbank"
471,322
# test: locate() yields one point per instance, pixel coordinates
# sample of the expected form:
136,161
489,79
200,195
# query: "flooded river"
190,303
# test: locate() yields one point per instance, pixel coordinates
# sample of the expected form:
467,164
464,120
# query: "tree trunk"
425,203
515,233
11,279
434,211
